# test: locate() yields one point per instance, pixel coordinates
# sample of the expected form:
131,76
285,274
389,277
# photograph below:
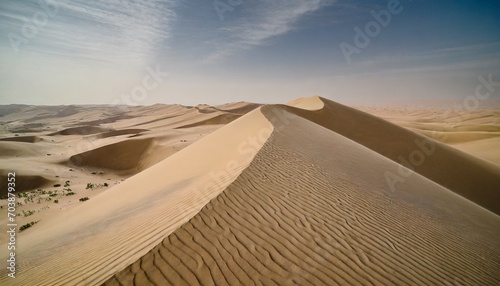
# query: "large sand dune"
296,216
285,194
475,179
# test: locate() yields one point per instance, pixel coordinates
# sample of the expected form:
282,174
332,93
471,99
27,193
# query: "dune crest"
308,103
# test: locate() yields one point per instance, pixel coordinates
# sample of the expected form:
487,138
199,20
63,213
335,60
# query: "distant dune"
80,130
476,132
24,182
121,156
309,193
26,139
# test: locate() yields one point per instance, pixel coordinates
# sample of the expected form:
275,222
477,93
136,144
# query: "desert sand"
309,193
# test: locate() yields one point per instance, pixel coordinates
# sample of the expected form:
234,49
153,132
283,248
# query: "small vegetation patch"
95,186
23,195
40,191
84,199
28,225
28,213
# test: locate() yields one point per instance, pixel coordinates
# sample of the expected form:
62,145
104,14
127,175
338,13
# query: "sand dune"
147,206
25,182
296,216
453,138
26,139
472,132
285,194
124,155
121,132
455,170
484,148
238,107
219,119
80,130
11,148
184,117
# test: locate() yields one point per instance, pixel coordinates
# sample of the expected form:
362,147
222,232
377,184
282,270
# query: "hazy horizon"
353,52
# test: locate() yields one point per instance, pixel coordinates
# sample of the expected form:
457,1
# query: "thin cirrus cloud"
260,22
476,57
106,30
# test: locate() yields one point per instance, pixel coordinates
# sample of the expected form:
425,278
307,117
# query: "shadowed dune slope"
25,139
23,182
471,177
459,137
313,209
124,155
219,119
121,132
81,130
474,132
21,149
238,107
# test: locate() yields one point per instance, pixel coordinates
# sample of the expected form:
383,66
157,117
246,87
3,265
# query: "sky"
143,52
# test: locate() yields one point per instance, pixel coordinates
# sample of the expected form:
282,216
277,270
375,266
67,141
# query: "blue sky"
120,51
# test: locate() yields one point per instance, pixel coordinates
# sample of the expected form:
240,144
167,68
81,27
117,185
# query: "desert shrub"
56,201
70,194
28,225
57,185
28,213
22,195
84,199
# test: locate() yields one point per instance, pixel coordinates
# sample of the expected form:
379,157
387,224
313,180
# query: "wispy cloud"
447,59
260,22
105,30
